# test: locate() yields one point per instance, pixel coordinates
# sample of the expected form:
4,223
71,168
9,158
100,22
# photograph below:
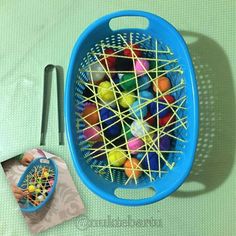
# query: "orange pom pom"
90,113
128,168
163,84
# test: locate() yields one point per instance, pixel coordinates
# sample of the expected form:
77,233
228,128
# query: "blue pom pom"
153,161
146,94
107,116
137,110
113,131
140,155
153,109
108,119
116,80
144,82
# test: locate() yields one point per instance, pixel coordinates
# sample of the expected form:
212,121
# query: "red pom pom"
149,120
169,98
110,60
127,52
163,121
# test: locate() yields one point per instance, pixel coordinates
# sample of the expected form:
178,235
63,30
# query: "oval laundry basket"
160,42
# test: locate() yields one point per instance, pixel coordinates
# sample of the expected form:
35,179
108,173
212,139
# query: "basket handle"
149,16
137,202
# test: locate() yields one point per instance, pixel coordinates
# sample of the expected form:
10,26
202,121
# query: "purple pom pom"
98,153
165,143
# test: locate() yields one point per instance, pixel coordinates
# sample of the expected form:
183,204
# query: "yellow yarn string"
159,153
122,115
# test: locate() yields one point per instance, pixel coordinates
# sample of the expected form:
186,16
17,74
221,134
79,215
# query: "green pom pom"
128,134
128,82
152,65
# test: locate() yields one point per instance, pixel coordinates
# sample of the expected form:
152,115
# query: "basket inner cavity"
86,91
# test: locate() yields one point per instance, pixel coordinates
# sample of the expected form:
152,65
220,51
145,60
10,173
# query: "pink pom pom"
134,144
92,133
141,66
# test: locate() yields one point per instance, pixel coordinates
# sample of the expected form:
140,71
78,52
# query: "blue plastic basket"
27,206
168,39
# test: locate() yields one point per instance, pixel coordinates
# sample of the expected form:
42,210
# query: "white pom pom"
98,73
139,128
40,198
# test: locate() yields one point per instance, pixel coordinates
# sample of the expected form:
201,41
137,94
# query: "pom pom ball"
110,103
127,99
152,159
129,163
166,119
152,67
146,95
149,118
138,110
134,144
90,113
97,72
141,66
139,128
144,82
148,138
98,154
140,155
128,52
40,198
167,98
105,91
124,64
92,133
110,60
163,83
108,119
117,157
127,82
165,142
31,188
161,111
128,133
37,190
45,174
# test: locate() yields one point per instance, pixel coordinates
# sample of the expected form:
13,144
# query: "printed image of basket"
39,182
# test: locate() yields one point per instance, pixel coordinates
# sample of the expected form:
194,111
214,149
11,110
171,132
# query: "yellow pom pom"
117,157
45,174
31,188
37,190
105,91
127,99
148,138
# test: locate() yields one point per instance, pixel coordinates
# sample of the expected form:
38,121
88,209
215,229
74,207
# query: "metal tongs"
48,75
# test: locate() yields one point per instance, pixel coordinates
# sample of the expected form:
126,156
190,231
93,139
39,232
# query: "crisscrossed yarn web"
166,64
41,179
